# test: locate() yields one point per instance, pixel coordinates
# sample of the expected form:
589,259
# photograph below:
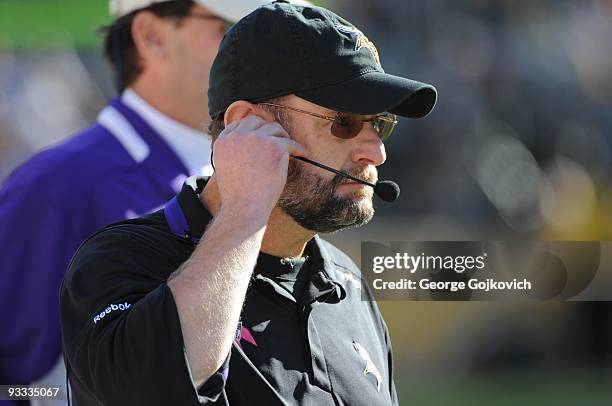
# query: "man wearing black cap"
227,295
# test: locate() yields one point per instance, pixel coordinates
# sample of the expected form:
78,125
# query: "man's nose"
368,147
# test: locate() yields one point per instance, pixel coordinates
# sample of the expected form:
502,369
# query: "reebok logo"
111,308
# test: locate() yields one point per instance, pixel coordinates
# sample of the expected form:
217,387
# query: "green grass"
558,388
45,23
53,23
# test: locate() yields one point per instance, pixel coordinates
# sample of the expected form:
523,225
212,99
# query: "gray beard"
311,202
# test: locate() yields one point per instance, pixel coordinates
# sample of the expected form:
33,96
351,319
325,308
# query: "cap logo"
360,40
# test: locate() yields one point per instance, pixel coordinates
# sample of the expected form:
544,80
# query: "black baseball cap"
282,48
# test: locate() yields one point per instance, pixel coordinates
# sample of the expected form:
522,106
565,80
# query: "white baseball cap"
230,10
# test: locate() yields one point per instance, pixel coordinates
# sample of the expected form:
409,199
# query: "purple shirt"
48,206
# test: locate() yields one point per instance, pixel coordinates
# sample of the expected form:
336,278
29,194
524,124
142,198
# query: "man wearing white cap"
129,162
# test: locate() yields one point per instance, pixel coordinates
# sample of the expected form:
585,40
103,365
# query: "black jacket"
123,343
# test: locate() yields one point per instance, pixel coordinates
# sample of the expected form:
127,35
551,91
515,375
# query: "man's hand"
251,157
251,160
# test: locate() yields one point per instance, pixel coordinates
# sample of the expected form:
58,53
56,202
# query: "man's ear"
241,109
150,36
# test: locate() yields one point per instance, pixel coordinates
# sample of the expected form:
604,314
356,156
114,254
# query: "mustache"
369,175
359,173
299,171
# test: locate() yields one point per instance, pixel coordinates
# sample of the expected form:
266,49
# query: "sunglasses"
347,125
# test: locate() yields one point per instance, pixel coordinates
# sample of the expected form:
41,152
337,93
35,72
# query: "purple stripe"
176,220
225,373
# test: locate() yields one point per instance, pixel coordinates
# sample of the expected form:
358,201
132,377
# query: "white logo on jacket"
111,308
370,368
349,278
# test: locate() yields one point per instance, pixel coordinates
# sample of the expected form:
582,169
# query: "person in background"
129,162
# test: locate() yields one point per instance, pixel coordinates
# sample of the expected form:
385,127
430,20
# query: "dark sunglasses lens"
384,128
346,126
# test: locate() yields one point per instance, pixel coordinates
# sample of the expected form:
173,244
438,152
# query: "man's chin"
361,210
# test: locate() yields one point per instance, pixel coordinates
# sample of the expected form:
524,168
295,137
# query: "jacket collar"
163,166
188,218
191,146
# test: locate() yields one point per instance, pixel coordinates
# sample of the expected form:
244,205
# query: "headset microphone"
387,190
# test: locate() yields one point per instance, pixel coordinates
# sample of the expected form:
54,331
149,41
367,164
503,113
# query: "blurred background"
518,148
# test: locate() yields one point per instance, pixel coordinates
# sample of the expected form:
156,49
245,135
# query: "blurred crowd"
519,146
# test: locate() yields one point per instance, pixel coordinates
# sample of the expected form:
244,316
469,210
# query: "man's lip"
352,184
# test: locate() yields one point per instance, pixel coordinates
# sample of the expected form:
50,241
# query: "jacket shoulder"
145,239
71,165
339,257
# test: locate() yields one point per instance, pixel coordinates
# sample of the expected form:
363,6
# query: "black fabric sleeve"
121,331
